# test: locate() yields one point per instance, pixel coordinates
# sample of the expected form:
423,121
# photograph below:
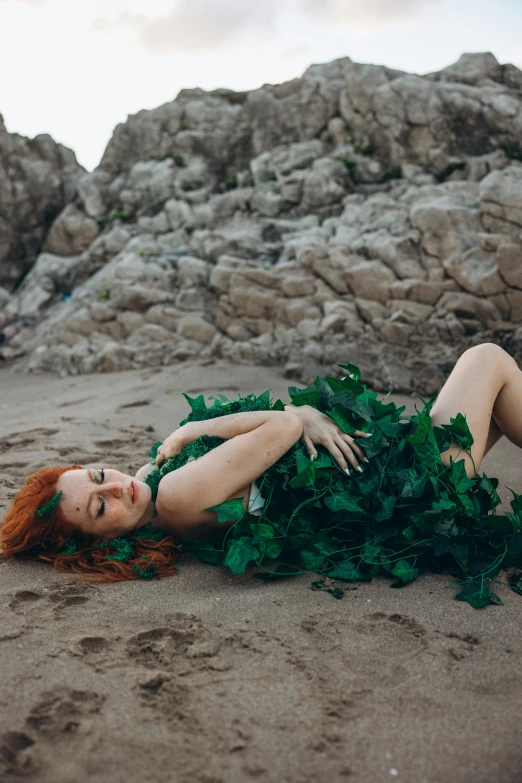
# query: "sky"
75,69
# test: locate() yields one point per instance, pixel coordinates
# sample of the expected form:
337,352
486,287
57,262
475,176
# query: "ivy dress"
406,513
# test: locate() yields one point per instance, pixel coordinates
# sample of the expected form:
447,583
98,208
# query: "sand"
208,678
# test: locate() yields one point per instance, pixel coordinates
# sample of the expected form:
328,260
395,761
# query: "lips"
132,492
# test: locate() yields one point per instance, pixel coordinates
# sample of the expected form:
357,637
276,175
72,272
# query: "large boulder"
38,177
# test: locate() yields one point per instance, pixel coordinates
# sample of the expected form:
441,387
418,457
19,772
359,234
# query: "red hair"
43,538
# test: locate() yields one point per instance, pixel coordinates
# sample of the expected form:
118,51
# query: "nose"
114,488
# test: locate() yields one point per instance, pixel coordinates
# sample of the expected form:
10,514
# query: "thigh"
472,389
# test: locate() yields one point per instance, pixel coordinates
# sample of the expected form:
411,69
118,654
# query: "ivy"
406,513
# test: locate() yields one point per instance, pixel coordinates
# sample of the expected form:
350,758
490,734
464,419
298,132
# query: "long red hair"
42,538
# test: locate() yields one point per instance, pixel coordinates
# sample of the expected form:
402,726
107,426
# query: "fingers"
337,450
353,445
312,452
346,450
362,434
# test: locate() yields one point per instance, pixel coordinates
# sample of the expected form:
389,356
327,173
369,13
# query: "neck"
148,516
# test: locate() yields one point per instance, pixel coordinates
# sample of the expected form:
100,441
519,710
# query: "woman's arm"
255,441
225,427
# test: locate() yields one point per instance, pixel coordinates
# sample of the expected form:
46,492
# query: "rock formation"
355,214
37,179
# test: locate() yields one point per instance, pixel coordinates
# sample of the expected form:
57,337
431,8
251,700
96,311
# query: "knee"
490,355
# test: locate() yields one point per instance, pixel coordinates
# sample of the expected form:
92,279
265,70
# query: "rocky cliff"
37,180
354,214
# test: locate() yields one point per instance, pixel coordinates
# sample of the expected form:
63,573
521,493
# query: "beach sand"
208,678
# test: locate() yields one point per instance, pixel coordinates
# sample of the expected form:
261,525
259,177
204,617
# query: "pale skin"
485,385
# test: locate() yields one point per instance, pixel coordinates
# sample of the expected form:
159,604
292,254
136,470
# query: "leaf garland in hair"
49,508
408,512
122,549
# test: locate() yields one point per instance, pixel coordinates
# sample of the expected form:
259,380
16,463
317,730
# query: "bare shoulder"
144,471
181,515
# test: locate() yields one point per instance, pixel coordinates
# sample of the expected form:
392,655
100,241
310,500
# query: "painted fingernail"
368,434
347,471
366,459
360,469
312,457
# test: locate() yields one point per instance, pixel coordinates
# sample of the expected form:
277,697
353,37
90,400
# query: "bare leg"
485,386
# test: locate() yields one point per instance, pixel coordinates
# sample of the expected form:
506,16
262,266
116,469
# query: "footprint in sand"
90,645
111,444
96,651
172,699
24,597
13,759
68,596
59,711
13,465
159,646
462,645
56,724
396,630
19,440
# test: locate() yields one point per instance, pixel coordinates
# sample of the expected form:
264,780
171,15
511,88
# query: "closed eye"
102,506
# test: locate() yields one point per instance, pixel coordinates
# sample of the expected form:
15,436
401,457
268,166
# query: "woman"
420,504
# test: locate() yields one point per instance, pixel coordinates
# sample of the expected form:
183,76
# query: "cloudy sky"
75,69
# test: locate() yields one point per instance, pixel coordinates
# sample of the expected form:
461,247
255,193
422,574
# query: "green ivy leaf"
204,551
312,561
459,431
273,548
196,403
514,551
261,530
347,572
411,485
458,476
422,428
490,485
342,418
305,478
239,553
325,393
459,551
386,509
229,510
325,546
351,369
343,502
370,553
446,527
308,396
405,572
478,594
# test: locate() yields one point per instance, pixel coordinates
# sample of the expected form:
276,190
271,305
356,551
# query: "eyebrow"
90,499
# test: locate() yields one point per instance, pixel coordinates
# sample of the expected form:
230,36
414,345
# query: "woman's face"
103,502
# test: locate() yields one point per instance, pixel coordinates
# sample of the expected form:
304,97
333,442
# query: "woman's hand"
318,428
172,445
